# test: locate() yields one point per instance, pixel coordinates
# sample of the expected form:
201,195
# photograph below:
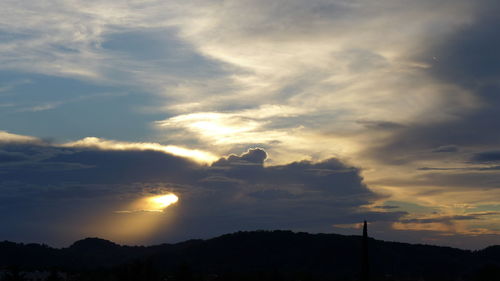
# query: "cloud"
309,57
328,90
295,78
449,219
446,148
6,137
387,207
451,161
382,125
486,157
93,180
102,44
93,142
464,58
254,156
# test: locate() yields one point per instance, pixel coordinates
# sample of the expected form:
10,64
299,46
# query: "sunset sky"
303,115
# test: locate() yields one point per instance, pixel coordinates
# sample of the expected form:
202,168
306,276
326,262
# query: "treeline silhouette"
248,256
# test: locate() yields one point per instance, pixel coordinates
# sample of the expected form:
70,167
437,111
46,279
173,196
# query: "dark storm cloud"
52,187
471,56
486,157
469,59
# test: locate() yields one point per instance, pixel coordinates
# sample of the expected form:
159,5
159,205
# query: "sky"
303,115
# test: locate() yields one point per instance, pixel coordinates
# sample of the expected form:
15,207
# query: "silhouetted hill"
277,252
90,244
95,252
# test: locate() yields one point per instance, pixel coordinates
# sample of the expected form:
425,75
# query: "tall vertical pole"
365,266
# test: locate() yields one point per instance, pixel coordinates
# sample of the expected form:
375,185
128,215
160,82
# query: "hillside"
261,253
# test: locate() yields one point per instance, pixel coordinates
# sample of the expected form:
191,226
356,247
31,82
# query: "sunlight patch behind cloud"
156,203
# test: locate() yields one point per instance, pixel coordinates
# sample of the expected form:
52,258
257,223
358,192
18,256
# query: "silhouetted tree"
184,273
136,271
54,276
488,273
13,274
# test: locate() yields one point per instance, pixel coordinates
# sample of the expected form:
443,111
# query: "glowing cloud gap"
160,202
157,203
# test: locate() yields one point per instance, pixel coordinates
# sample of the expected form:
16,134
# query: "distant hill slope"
261,251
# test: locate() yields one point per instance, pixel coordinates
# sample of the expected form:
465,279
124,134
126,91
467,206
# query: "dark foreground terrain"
258,255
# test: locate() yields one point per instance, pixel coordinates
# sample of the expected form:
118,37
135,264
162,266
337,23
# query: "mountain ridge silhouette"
261,251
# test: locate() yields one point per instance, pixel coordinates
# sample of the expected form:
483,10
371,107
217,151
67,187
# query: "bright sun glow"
160,202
